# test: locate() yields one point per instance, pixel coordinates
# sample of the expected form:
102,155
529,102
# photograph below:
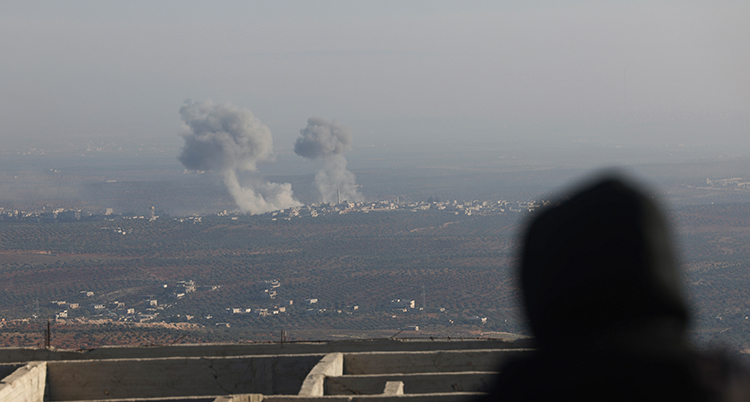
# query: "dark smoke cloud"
228,139
328,140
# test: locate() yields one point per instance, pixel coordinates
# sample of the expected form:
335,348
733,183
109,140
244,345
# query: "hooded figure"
602,293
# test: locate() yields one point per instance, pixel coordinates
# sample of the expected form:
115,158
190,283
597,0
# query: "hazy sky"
391,70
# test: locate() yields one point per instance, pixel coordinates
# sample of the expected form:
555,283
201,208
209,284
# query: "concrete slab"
419,383
166,399
215,398
25,384
23,355
454,397
330,365
429,362
394,388
8,369
421,370
240,398
174,377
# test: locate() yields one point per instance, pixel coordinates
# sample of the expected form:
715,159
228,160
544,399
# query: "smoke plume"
229,140
328,140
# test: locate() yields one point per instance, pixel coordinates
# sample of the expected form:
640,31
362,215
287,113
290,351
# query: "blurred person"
602,293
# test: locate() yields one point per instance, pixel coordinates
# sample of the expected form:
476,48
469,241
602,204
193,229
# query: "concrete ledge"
394,388
8,369
457,373
23,355
25,384
427,362
221,398
330,365
453,397
177,377
419,383
166,399
240,398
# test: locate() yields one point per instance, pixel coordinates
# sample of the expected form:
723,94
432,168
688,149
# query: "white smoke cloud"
328,140
227,139
334,178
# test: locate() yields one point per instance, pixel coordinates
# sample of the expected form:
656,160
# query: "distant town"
475,207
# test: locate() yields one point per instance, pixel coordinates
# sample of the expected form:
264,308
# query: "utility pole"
47,335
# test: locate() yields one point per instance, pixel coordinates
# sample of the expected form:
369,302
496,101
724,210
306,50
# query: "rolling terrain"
361,269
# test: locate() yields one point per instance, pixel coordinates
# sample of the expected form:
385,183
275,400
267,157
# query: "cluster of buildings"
85,308
269,303
455,207
474,207
160,307
312,309
403,305
148,308
156,306
72,215
52,215
730,182
266,291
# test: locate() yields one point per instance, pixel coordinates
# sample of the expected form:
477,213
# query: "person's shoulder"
723,377
690,376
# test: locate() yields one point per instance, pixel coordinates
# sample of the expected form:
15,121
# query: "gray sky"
404,71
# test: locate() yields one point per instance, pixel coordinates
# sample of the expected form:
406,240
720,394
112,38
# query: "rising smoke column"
328,140
226,139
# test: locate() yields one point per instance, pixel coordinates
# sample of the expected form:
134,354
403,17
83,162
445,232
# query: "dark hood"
600,261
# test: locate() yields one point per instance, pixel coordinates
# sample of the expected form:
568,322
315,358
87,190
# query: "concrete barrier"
25,384
240,398
427,362
330,365
174,377
419,383
453,397
165,399
8,369
394,388
23,355
458,373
